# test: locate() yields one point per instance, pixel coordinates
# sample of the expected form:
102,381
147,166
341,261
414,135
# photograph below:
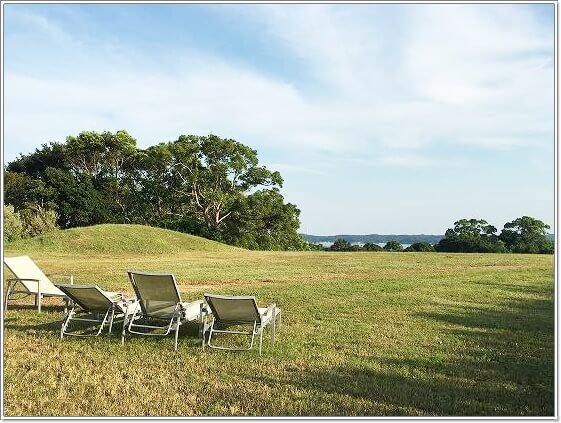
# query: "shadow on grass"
31,307
495,363
188,332
517,287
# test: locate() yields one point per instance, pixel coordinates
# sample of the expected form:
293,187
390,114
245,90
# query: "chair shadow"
25,307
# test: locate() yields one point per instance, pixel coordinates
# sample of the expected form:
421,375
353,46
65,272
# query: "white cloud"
464,74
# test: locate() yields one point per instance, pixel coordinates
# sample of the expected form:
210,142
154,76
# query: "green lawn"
363,334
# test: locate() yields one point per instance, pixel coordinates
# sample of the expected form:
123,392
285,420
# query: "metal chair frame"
176,319
12,282
114,313
258,328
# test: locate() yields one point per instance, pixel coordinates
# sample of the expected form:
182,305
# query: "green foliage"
316,247
370,246
29,222
393,246
341,244
421,246
204,185
471,236
527,235
263,221
13,226
37,221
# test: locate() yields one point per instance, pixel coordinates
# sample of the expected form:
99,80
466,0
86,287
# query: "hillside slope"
113,238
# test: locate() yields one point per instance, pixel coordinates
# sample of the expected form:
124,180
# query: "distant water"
328,244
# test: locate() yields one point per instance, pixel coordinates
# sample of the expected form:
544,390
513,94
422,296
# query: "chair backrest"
90,297
157,293
25,268
233,309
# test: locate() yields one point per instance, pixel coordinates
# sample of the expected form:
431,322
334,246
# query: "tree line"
523,235
203,185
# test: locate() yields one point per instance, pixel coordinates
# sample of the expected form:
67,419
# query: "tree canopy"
527,235
470,236
203,185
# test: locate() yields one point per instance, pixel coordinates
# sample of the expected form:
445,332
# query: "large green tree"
527,235
470,236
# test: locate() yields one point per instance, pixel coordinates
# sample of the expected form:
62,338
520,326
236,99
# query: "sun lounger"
30,280
160,309
91,304
230,311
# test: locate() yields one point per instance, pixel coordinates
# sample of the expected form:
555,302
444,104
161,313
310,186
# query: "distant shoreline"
378,238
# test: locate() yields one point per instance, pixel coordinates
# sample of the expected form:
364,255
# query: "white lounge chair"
160,305
228,311
91,304
30,280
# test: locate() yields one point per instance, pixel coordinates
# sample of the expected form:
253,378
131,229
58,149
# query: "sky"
381,118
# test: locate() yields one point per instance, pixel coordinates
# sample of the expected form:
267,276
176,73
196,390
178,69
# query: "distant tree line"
374,238
202,185
523,235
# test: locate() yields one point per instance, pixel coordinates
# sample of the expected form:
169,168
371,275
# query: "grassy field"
375,334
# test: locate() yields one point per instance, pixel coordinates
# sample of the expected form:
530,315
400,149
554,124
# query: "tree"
369,246
212,175
340,244
393,246
421,246
470,236
263,221
527,235
315,247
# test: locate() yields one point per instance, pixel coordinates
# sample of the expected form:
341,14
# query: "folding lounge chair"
32,280
228,311
160,305
91,304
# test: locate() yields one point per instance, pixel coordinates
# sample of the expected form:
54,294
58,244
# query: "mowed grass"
380,334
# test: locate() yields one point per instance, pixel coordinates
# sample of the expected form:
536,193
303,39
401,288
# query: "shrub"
393,246
13,227
370,246
37,221
421,246
341,244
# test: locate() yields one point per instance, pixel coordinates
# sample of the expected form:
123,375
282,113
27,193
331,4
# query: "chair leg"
38,302
125,323
8,291
176,333
111,319
65,322
273,324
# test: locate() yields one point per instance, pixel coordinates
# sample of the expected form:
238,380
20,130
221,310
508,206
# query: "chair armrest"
117,296
271,309
205,309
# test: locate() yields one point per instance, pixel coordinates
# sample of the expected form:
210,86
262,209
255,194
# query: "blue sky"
381,118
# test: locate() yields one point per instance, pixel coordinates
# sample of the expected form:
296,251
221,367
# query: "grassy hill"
111,239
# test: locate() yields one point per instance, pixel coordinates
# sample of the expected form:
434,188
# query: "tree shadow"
517,288
501,363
